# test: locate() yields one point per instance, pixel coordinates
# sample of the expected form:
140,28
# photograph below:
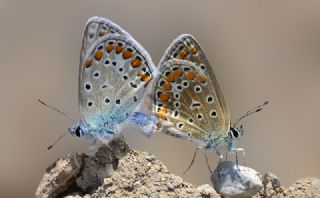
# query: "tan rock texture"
117,171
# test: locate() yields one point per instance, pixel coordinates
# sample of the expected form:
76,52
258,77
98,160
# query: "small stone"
231,180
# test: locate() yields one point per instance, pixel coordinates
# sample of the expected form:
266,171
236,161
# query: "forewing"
186,103
114,73
96,28
185,47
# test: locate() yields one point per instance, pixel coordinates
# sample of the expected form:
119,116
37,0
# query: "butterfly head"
77,129
236,132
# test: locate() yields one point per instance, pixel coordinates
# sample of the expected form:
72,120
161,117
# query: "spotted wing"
187,96
186,47
114,72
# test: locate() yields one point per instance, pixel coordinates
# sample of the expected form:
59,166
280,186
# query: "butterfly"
188,100
114,72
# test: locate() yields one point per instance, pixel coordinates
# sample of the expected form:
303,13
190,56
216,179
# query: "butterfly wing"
186,47
114,72
187,95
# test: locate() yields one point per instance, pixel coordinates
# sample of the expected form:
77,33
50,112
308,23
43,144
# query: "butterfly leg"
205,154
192,161
236,150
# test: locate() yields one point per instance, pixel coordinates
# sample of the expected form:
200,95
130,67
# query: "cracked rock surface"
117,171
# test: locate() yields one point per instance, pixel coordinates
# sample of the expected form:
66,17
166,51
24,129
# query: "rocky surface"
306,188
117,171
231,180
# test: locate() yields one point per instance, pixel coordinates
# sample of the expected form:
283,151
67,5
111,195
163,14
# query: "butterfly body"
113,74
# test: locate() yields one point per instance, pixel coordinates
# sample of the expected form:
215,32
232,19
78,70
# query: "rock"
308,187
59,176
116,171
231,180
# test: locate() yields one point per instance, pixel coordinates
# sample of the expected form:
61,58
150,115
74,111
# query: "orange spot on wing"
178,72
98,55
163,112
88,63
170,77
102,33
118,49
136,62
191,75
140,73
194,50
145,77
202,79
109,48
166,87
183,53
164,97
127,54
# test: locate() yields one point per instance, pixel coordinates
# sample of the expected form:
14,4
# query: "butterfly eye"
235,132
77,132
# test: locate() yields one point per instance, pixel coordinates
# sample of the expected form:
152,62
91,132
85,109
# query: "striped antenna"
251,111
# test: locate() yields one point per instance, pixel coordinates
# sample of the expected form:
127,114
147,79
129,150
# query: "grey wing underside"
187,43
184,51
114,72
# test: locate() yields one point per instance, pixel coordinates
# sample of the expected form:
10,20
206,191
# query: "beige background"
260,50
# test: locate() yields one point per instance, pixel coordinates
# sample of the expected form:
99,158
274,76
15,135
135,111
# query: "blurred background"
266,50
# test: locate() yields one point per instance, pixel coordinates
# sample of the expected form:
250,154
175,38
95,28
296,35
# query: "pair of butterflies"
116,72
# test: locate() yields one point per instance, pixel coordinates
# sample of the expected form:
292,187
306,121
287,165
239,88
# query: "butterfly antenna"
61,136
57,110
192,161
251,111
